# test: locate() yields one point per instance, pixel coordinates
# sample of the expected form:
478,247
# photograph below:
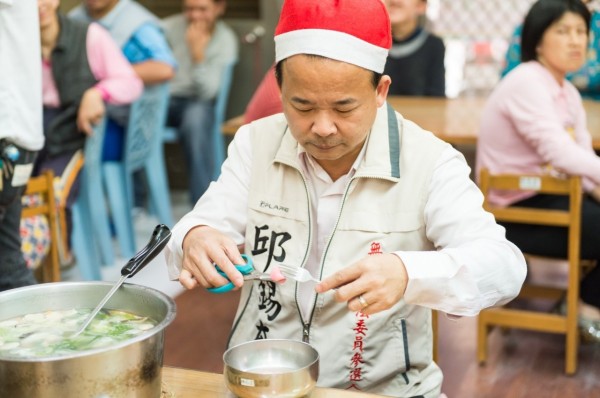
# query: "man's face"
203,11
330,107
99,8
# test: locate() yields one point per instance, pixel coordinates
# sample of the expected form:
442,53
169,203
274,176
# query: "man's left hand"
371,285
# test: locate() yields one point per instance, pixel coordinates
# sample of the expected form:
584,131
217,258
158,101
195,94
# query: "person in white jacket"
21,133
368,202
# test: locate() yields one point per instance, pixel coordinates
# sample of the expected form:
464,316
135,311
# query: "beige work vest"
389,353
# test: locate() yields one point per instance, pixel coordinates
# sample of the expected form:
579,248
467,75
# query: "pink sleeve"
117,81
531,109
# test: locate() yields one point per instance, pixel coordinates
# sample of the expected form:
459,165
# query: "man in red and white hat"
379,210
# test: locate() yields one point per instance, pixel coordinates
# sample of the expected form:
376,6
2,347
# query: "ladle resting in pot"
159,239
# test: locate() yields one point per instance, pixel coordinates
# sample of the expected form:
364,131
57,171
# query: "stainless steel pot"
129,369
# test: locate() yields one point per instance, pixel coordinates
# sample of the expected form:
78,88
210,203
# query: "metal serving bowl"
131,368
271,368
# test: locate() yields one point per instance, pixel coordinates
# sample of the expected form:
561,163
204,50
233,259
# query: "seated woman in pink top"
534,122
82,68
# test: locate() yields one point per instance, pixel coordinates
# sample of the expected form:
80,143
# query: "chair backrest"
543,184
92,158
91,218
92,150
145,127
219,117
43,186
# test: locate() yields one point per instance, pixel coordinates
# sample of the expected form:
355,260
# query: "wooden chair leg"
482,334
572,331
572,339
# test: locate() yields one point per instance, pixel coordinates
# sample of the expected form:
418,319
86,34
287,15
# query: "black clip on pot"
158,241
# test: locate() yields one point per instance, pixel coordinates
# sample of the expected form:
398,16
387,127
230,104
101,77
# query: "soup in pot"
48,333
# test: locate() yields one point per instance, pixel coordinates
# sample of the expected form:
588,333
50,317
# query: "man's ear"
382,90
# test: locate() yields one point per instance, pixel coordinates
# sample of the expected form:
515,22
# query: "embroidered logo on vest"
375,248
274,207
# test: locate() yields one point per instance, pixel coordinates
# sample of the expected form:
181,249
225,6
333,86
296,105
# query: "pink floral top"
531,124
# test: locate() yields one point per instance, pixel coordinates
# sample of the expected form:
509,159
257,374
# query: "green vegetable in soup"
48,333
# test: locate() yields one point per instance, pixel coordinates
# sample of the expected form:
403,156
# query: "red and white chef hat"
353,31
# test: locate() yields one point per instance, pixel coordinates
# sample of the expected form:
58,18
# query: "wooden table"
457,120
454,120
185,383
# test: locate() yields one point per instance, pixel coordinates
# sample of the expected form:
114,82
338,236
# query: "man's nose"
324,124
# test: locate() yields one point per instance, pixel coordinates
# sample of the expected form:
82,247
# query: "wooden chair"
530,319
62,187
43,185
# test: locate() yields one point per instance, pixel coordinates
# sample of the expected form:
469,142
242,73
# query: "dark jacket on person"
72,76
416,65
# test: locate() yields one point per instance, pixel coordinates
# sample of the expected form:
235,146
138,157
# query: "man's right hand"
197,36
203,247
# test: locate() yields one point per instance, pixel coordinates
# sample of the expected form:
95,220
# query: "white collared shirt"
466,273
325,197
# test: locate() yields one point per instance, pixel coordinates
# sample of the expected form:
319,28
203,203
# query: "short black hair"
376,77
541,15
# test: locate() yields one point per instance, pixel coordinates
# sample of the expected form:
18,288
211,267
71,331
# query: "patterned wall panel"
476,33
